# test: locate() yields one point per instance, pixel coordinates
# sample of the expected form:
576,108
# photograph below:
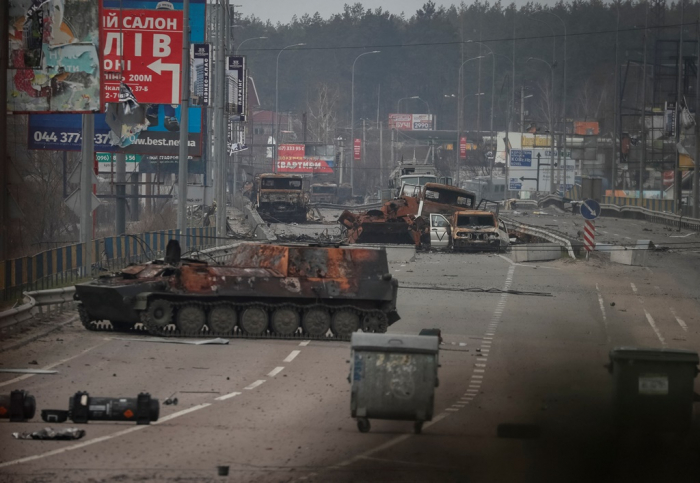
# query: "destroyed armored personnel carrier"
260,291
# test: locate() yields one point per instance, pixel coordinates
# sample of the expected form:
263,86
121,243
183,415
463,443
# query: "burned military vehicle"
260,291
280,198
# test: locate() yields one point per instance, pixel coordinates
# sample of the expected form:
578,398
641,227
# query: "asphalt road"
275,411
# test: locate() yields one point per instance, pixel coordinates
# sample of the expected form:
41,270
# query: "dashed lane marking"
601,302
680,321
304,343
291,356
255,384
275,371
656,330
227,396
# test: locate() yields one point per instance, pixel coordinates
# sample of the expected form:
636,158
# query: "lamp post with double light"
352,120
551,124
275,139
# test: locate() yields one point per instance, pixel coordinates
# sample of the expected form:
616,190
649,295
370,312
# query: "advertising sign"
412,122
143,49
463,147
357,149
235,87
170,165
199,78
106,162
292,159
63,132
53,56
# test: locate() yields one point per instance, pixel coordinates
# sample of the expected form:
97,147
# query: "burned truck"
279,291
280,197
403,220
324,193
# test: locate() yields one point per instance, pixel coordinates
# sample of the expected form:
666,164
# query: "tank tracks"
253,320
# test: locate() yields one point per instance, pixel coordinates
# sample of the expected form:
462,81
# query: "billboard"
200,76
63,132
295,158
143,49
412,122
235,87
53,56
357,149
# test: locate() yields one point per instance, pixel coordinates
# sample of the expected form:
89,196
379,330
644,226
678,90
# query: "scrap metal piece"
54,434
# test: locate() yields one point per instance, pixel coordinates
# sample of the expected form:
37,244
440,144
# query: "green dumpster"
393,376
653,388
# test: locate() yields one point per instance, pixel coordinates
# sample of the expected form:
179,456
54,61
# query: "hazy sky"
283,10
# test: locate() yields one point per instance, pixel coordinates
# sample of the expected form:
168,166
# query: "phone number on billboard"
66,138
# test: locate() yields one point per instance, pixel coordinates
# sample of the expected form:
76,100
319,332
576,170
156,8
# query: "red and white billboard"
143,49
291,159
463,147
357,150
412,122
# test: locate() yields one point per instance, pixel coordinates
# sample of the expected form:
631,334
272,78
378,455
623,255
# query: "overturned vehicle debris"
261,291
401,221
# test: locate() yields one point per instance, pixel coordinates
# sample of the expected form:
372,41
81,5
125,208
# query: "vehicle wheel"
285,321
316,322
344,323
418,427
160,313
222,319
363,425
254,321
373,323
190,319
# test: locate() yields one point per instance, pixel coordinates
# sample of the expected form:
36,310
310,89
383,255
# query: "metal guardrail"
368,206
655,216
550,235
42,302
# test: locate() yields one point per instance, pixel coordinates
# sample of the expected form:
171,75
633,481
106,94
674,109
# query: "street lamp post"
551,125
246,40
276,119
460,101
352,120
493,90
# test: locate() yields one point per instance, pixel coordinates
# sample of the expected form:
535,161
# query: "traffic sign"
589,236
143,49
590,209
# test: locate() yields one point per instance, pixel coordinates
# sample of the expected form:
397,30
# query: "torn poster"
54,62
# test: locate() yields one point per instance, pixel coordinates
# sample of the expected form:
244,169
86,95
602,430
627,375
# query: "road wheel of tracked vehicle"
85,318
190,319
316,322
254,321
222,319
285,321
160,313
344,323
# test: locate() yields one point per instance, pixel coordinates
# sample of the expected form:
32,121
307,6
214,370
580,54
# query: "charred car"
324,193
469,230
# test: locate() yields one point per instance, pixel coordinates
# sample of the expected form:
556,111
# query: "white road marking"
479,365
634,287
655,328
51,366
460,406
451,409
482,358
101,438
479,370
227,396
477,377
304,343
680,321
275,371
291,356
601,302
255,384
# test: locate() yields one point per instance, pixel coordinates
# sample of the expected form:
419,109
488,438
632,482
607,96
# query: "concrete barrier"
253,220
630,256
536,252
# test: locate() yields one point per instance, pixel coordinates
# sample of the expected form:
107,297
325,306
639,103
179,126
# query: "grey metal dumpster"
393,377
653,388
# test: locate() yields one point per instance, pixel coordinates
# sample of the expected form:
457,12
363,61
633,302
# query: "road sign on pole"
590,209
143,49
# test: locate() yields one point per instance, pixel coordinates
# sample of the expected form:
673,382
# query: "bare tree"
589,100
323,113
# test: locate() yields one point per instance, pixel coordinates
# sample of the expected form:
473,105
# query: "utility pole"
616,108
643,160
86,172
342,163
678,175
364,146
184,122
381,156
696,188
220,151
120,171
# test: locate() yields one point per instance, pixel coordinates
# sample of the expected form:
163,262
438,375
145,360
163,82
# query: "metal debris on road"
475,290
217,341
28,371
49,433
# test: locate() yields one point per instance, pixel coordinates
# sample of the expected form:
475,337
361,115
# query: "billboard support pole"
381,156
221,125
184,122
86,170
120,162
4,154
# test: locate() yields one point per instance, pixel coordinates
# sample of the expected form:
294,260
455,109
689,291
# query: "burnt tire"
316,322
190,319
344,323
160,313
254,321
222,319
285,321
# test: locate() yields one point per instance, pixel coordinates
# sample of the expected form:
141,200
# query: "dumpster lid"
659,355
425,344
